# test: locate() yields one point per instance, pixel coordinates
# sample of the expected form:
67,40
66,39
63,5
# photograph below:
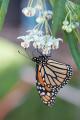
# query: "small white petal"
40,20
46,50
28,11
24,44
59,39
25,38
69,29
39,7
48,14
65,22
34,45
73,26
64,27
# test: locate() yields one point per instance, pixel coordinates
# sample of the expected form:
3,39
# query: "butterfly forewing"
63,72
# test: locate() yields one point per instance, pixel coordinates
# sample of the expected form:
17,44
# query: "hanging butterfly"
51,76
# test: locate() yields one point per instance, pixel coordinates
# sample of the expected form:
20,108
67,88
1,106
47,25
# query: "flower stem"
76,32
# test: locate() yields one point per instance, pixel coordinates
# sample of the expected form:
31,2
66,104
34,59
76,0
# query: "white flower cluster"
30,11
70,23
40,41
46,15
41,35
69,27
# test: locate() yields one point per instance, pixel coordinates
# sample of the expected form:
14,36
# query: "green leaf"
59,10
3,11
73,45
52,2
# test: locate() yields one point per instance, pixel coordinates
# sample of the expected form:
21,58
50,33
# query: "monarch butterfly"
50,77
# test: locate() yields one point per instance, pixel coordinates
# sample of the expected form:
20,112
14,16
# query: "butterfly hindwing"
48,97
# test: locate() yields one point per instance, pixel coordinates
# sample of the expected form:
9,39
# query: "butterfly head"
40,59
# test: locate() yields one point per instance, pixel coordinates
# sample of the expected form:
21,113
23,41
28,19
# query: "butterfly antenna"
24,55
28,54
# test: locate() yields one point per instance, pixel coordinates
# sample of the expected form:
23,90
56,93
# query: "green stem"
73,45
77,33
3,11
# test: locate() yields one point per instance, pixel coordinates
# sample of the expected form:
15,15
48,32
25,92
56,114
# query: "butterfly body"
40,60
51,76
